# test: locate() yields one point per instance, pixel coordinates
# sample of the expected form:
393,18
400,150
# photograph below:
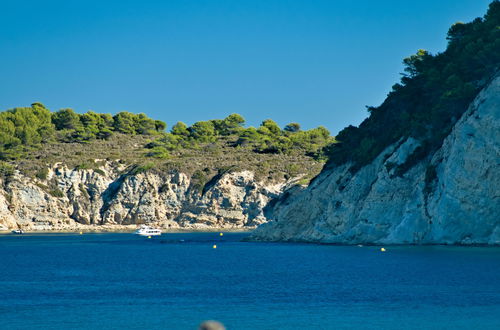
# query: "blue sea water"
111,281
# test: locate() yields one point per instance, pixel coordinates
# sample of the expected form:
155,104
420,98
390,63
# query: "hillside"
423,168
68,171
434,92
33,138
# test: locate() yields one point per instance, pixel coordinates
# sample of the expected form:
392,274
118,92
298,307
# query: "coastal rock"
451,197
233,200
112,197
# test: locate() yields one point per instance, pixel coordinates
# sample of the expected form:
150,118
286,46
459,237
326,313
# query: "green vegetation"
56,193
32,138
435,90
25,129
6,169
42,173
138,169
267,138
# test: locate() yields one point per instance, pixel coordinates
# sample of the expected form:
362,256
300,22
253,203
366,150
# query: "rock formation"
110,198
451,197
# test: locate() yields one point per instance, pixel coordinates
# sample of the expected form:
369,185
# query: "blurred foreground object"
212,325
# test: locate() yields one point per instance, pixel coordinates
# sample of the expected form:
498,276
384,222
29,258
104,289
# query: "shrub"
56,192
137,169
6,170
158,152
99,171
42,173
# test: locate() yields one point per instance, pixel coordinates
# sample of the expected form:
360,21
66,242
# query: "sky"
315,62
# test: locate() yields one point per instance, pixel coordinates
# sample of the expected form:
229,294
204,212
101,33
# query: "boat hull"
147,231
147,234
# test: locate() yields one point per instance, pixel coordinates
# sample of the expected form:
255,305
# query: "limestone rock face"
452,197
234,200
70,199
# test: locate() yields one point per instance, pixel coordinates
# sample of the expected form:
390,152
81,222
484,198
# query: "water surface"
109,281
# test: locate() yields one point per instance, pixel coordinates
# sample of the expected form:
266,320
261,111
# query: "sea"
176,281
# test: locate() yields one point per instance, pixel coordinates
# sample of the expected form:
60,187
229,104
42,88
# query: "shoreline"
127,231
243,230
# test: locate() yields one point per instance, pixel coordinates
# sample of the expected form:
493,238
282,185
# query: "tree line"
26,128
267,138
434,91
22,129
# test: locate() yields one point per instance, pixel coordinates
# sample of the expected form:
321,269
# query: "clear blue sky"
316,62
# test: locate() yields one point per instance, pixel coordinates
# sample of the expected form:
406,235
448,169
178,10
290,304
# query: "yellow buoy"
149,236
221,234
215,246
382,249
81,233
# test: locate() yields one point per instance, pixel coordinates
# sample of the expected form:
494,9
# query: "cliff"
450,197
111,198
68,171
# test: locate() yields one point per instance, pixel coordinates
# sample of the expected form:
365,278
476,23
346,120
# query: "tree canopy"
267,138
435,90
22,129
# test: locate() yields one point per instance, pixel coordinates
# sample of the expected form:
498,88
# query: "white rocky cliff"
452,197
108,199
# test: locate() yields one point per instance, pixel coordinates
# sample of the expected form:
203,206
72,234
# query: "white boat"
18,232
147,231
